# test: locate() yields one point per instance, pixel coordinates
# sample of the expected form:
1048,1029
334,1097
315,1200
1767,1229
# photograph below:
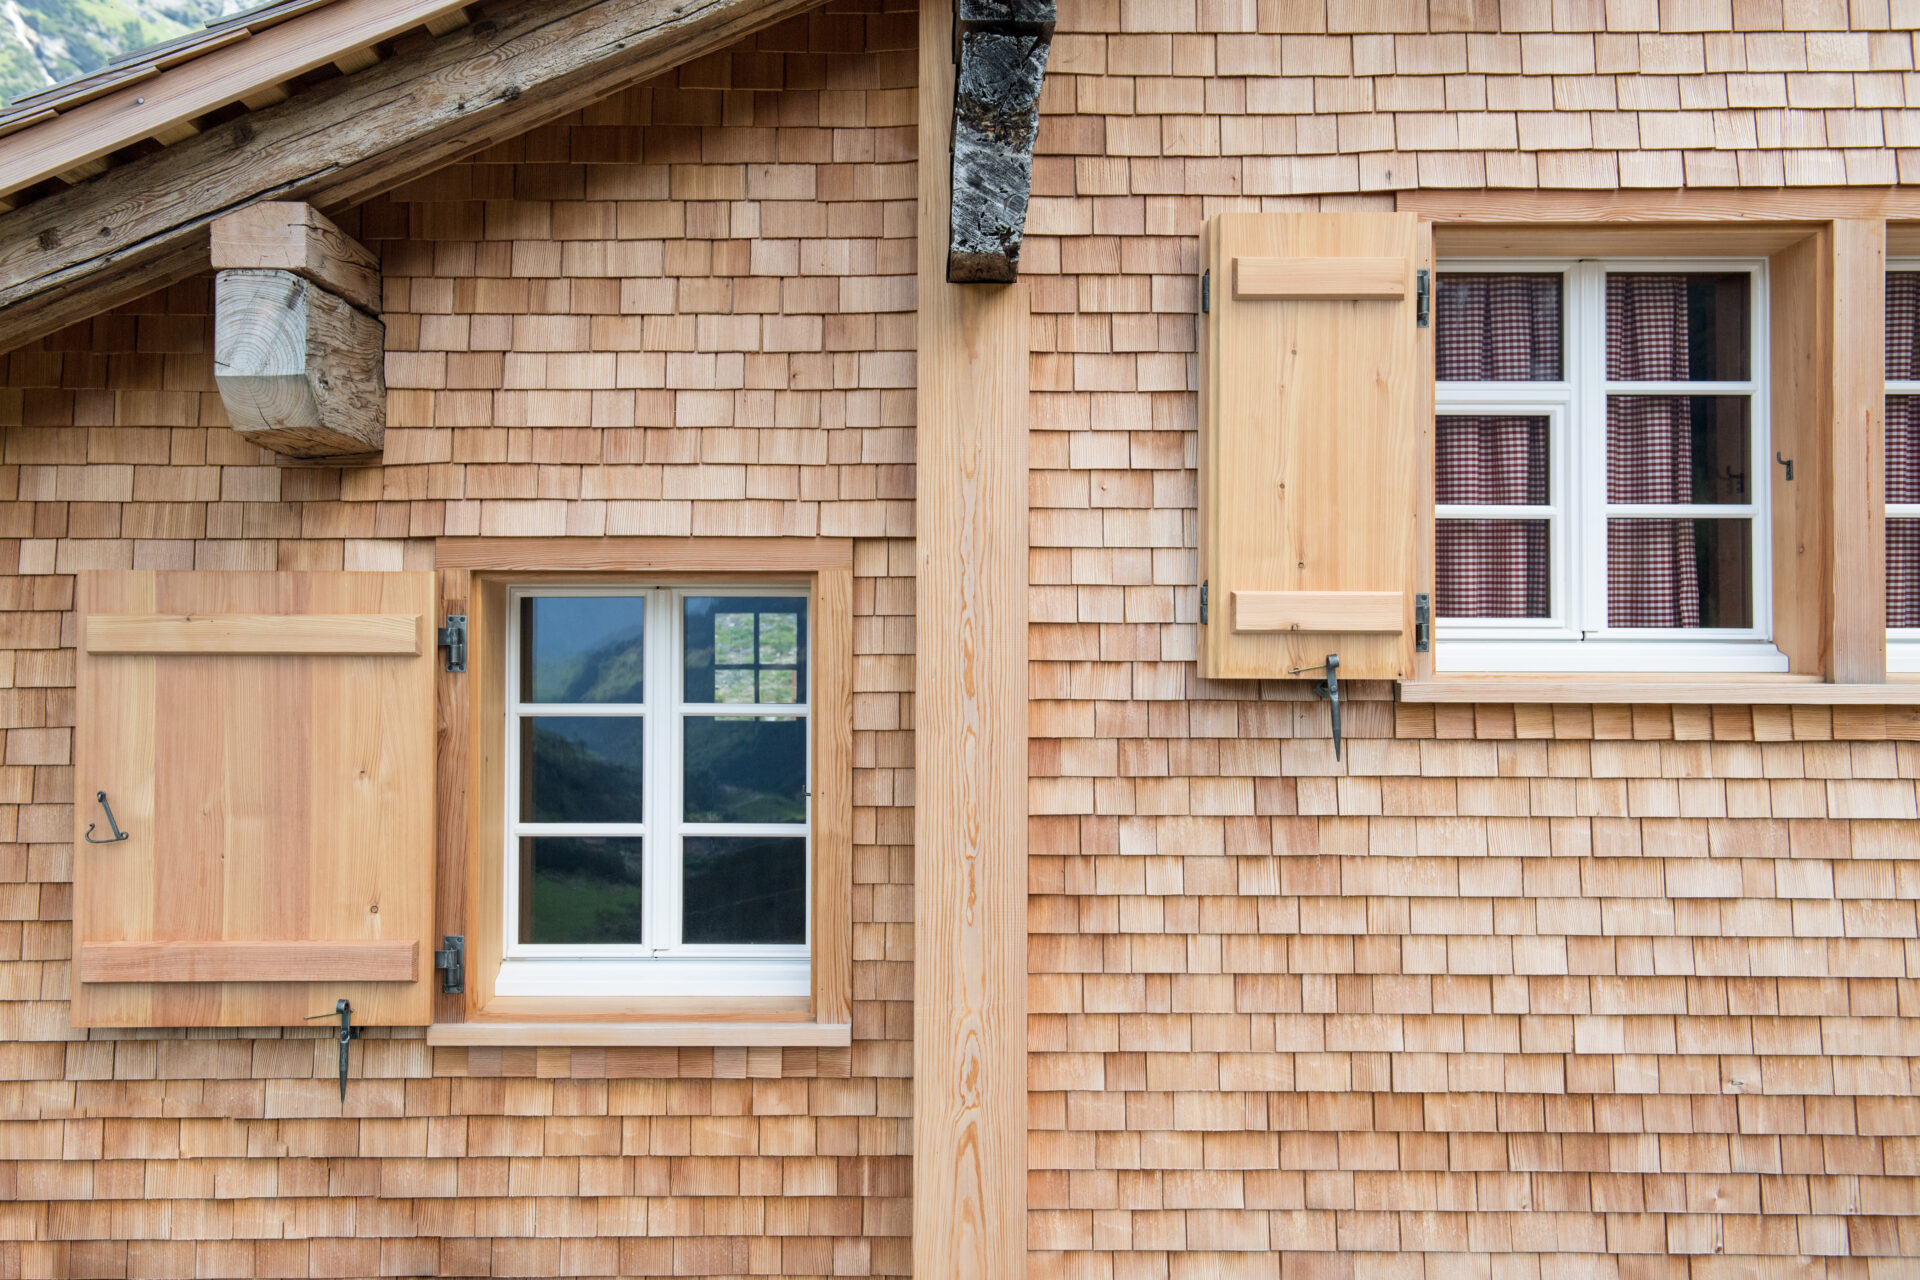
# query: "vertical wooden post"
970,737
1858,458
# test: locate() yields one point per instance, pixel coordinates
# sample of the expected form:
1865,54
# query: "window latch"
1422,623
452,960
453,638
1422,297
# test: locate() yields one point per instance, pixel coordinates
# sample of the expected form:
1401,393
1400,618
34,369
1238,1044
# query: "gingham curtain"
1494,327
1653,579
1903,448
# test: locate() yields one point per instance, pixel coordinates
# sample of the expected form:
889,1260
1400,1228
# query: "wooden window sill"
679,1035
1733,691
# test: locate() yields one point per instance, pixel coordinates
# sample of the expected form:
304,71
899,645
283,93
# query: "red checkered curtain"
1903,448
1493,327
1653,577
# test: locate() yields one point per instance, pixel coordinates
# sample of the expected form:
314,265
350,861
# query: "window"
1903,465
658,808
1600,459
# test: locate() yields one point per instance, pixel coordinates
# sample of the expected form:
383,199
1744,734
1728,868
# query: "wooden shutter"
1316,443
266,741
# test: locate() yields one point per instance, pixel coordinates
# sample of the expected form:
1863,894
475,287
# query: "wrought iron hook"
118,835
348,1034
1785,462
1328,689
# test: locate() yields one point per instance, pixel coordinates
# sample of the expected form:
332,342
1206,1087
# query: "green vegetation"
45,41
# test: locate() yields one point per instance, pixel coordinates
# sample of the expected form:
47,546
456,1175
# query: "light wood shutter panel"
267,742
1316,443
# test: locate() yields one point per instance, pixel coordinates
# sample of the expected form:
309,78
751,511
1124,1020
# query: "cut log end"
300,370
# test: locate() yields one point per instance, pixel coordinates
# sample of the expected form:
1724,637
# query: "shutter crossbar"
345,961
313,634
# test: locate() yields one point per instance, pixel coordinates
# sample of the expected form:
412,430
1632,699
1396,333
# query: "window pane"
1679,573
1491,459
1903,573
1903,326
746,649
580,889
1903,448
1497,327
1491,569
741,889
1671,328
742,769
581,768
582,648
1678,449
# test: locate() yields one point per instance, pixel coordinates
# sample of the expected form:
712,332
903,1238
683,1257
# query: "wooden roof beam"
143,225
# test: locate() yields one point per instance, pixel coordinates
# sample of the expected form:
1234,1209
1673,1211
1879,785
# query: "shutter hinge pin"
1203,604
1422,297
1206,292
1422,623
453,959
453,638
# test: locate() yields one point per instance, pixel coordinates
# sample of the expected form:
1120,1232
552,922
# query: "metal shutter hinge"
1422,623
453,638
1206,292
1422,297
454,960
1203,604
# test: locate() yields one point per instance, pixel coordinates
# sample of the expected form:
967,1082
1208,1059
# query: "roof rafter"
143,225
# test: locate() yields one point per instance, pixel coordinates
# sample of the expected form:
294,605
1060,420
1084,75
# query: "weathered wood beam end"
288,235
1001,49
300,370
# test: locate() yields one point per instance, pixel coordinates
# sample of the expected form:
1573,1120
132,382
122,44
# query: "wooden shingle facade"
1579,978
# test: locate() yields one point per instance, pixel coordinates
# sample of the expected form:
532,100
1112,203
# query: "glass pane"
1497,326
582,648
1491,569
1664,327
746,649
580,889
1691,449
581,768
743,769
1903,448
1903,326
1491,459
741,889
1679,573
1903,573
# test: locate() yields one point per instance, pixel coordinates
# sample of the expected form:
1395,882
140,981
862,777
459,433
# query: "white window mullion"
665,671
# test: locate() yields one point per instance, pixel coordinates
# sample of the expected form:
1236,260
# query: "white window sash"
1903,643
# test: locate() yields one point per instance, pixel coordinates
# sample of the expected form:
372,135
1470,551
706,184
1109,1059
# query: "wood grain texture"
347,961
1858,452
697,555
821,1035
831,718
1321,279
1801,341
290,235
300,370
1734,691
62,261
1577,240
1759,204
280,797
970,739
1318,610
258,633
453,774
1316,423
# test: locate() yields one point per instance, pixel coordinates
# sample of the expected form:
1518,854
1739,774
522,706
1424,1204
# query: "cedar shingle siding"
1577,990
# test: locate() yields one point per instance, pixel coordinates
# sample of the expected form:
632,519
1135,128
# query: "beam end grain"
300,370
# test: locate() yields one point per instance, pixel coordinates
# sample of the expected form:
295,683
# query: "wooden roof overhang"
108,184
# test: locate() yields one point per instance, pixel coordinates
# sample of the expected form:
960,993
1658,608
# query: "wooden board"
349,961
1316,431
261,633
1800,341
281,798
1734,691
759,556
290,235
1858,452
1790,204
819,1035
1318,610
970,738
831,721
1321,279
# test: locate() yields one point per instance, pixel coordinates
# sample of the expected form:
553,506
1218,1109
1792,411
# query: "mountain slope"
44,41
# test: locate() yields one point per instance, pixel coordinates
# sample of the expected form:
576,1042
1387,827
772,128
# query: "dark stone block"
996,114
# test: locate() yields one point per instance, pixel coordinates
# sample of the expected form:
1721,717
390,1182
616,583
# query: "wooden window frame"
475,574
1826,251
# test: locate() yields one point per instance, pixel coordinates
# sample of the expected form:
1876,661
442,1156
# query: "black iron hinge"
1203,604
1206,292
453,638
453,959
1422,297
1422,623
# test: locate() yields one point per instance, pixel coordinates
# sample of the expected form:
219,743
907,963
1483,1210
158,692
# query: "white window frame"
1575,637
1903,643
662,965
